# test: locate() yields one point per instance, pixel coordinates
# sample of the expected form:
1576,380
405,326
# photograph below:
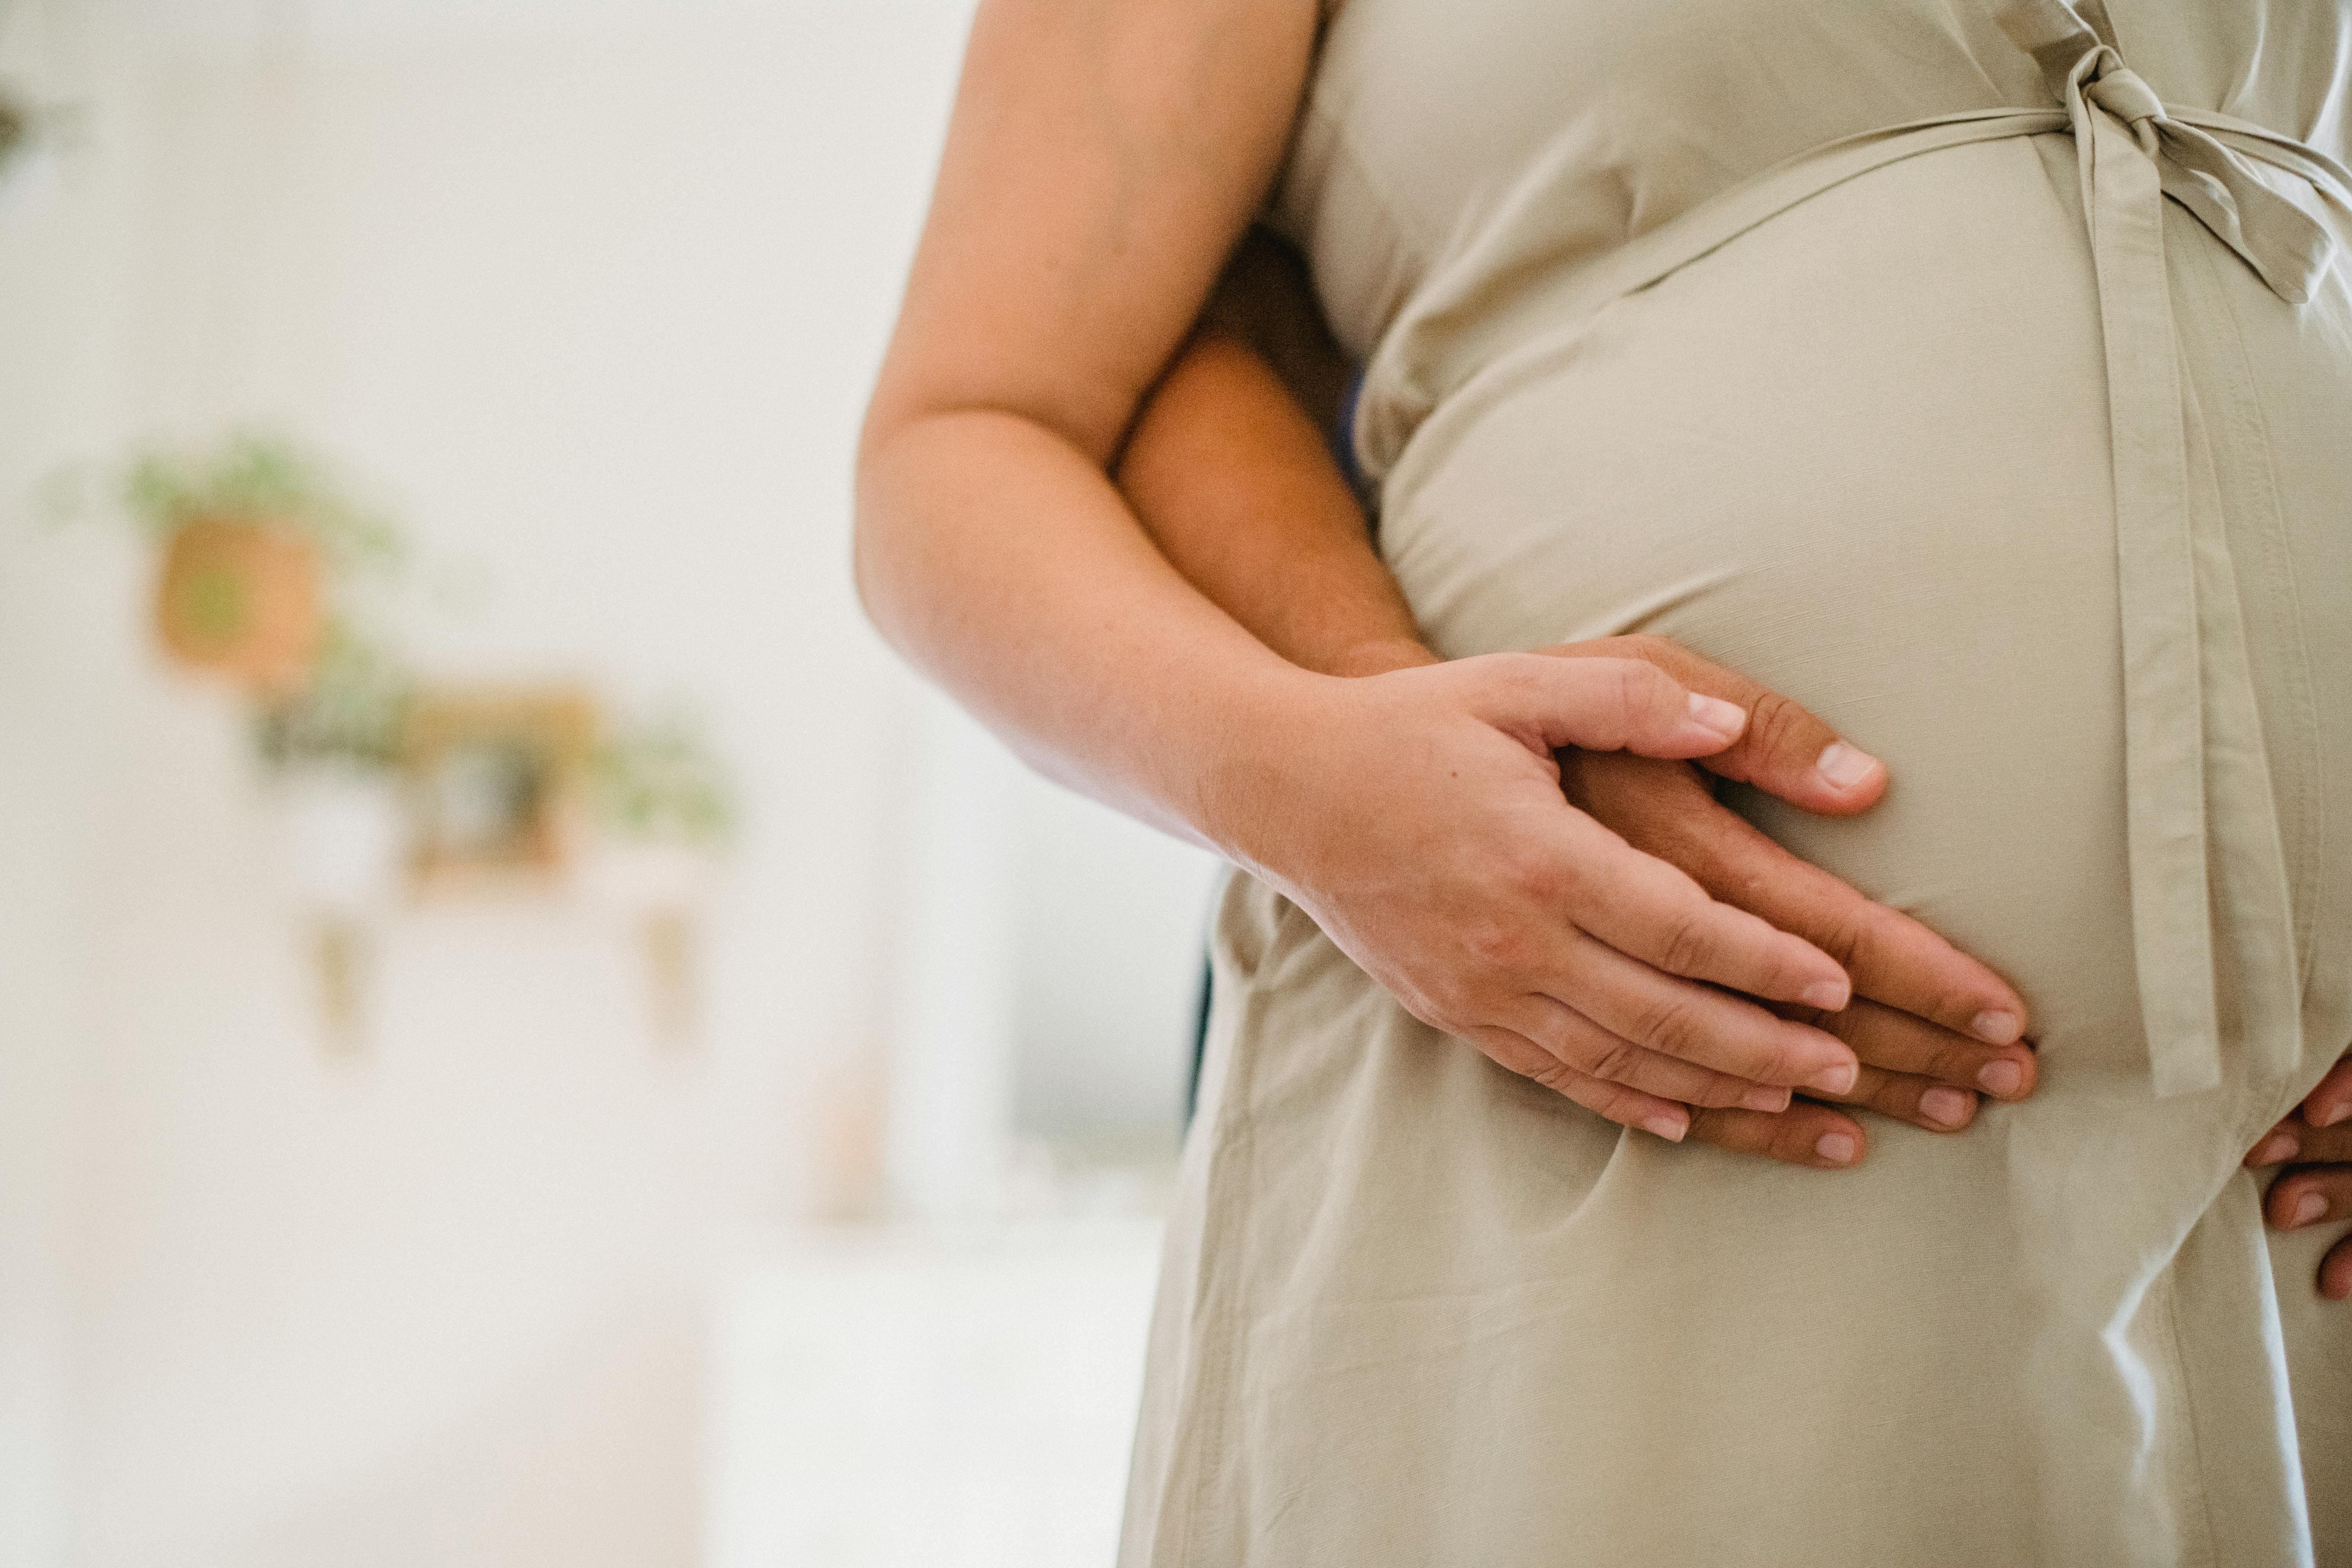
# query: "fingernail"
1762,1098
2001,1077
1996,1029
1670,1128
1947,1107
1829,996
1834,1081
2331,1117
1844,766
2308,1207
1726,719
2278,1147
1837,1148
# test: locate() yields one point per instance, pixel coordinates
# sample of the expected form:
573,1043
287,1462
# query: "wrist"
1250,772
1378,656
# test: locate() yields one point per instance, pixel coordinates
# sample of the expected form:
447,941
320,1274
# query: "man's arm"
1231,477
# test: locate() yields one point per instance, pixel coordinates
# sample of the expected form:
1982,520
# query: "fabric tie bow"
2191,730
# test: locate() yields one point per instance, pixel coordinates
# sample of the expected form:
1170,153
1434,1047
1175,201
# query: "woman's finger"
1587,1046
1908,1046
1626,1107
2330,1103
2309,1195
1601,704
1647,1009
1804,1134
1643,907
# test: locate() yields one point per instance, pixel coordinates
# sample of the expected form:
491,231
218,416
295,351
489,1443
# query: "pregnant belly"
1861,454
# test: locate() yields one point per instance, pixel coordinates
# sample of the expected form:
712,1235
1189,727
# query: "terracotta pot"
239,597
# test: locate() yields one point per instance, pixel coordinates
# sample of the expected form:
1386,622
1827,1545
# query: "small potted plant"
249,536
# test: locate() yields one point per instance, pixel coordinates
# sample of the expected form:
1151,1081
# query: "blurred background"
525,1037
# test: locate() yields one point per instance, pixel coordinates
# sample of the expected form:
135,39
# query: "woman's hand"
1417,815
2315,1144
1932,1027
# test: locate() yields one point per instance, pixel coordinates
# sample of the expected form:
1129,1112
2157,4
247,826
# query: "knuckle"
1689,944
1845,934
1733,1132
1708,1125
1721,1091
1626,674
1533,876
1955,1062
1891,1094
1668,1025
1554,1075
1525,677
1497,947
1613,1062
1647,646
1621,1106
1641,686
1774,723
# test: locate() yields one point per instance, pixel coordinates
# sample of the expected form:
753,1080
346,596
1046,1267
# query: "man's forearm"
1233,482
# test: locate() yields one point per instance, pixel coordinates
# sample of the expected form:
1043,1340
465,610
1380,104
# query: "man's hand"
1933,1028
2316,1145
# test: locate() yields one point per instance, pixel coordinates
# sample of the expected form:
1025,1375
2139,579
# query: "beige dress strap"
2197,780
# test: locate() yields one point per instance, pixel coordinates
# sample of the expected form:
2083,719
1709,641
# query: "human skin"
1101,161
1228,469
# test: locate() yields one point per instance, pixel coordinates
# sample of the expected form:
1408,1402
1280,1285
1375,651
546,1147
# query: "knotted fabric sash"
2193,733
2131,154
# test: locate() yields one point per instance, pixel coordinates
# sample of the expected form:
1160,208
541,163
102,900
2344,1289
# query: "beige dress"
1981,376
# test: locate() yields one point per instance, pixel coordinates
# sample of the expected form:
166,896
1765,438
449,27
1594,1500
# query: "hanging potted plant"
249,536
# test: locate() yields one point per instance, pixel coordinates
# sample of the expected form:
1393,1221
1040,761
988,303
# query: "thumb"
1784,750
1598,705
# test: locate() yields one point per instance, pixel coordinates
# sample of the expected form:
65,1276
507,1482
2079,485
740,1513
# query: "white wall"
63,250
595,290
1111,927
